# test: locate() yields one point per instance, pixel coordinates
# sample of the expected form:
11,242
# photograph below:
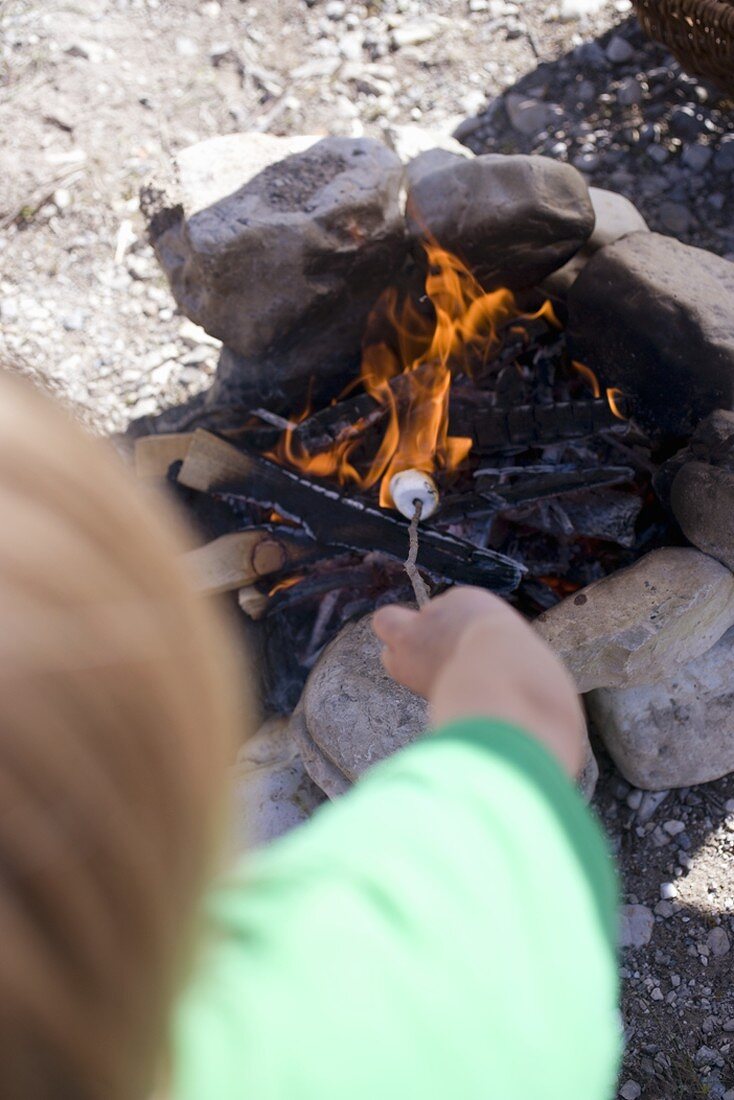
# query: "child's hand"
469,653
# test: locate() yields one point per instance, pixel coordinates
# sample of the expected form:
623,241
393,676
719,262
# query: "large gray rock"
639,624
355,713
352,714
513,219
616,217
702,499
655,318
712,443
279,247
674,733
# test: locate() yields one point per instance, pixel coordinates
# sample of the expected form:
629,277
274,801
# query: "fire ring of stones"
564,375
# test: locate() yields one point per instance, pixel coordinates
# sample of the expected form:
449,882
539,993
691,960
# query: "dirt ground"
93,95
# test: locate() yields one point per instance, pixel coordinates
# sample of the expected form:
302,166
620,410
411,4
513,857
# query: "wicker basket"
700,33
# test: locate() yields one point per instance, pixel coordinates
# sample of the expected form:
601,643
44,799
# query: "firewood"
334,518
253,602
243,557
492,427
210,462
154,454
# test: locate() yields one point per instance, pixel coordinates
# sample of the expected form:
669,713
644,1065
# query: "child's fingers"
390,623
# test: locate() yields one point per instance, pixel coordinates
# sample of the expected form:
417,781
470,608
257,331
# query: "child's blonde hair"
117,712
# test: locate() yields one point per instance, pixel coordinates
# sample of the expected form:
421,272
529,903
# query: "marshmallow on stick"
410,486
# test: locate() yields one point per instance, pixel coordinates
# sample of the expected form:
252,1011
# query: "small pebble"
630,1090
668,891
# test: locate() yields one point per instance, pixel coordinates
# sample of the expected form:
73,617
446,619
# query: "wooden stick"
154,454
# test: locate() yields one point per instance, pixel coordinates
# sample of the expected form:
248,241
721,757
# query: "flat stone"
629,92
697,156
636,923
528,116
619,50
702,499
724,157
616,217
514,219
279,247
718,942
675,733
352,714
655,318
272,791
639,624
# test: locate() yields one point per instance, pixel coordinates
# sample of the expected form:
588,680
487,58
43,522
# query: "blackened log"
491,498
348,418
333,518
552,484
493,429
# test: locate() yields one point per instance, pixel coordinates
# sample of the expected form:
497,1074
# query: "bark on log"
243,557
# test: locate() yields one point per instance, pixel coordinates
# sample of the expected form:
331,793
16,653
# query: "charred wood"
332,518
493,497
491,427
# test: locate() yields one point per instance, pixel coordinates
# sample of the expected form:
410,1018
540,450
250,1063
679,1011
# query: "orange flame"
588,376
614,396
289,582
463,328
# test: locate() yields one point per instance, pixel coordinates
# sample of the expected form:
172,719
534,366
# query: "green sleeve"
447,930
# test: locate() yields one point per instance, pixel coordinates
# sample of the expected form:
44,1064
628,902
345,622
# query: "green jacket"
447,930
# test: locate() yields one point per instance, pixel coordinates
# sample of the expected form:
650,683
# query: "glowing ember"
463,329
281,586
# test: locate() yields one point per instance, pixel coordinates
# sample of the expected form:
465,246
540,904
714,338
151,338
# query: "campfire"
445,373
541,484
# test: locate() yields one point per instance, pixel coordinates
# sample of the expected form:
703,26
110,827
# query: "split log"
253,602
154,454
243,557
334,518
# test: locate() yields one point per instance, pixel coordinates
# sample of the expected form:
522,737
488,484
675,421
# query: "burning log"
243,557
494,428
491,427
492,497
334,519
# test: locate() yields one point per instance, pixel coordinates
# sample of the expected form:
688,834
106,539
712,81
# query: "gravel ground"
95,93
